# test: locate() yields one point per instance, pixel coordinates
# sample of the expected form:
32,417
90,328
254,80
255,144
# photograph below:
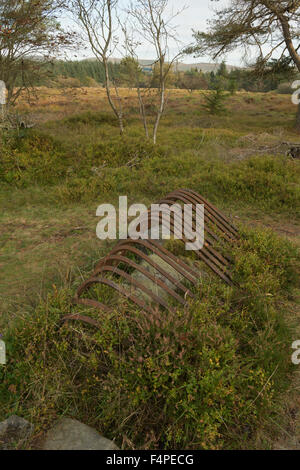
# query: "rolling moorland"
218,376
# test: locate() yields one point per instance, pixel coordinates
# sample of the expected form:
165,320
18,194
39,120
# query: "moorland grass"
205,377
208,377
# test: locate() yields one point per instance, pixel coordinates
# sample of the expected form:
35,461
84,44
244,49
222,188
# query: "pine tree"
215,101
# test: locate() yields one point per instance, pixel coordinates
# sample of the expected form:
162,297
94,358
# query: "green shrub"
86,189
202,378
284,89
91,118
38,158
33,158
267,181
132,165
215,101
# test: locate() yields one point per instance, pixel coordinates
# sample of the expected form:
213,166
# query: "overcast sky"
195,16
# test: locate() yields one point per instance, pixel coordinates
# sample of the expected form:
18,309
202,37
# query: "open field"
54,176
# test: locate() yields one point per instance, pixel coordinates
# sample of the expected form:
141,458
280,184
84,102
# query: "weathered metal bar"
218,229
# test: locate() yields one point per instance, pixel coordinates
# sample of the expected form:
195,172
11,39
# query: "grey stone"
70,434
14,431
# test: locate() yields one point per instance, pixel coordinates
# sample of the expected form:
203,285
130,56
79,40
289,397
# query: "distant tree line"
237,79
91,73
75,73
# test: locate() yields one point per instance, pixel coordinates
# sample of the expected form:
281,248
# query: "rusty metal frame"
218,230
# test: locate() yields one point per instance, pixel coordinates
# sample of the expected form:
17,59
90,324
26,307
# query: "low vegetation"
211,376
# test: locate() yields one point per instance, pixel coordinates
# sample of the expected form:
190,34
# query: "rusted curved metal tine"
177,260
140,286
171,200
223,275
209,258
204,250
137,284
91,303
214,211
208,243
124,292
203,254
124,275
215,222
146,273
209,217
208,246
82,318
156,248
188,198
126,247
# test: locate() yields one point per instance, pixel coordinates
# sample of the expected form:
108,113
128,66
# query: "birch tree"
155,25
134,72
98,20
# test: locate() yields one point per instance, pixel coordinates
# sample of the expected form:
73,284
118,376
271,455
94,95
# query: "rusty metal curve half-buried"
169,273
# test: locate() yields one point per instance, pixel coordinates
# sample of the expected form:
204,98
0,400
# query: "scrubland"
217,375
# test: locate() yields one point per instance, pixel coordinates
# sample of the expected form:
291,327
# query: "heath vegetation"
214,375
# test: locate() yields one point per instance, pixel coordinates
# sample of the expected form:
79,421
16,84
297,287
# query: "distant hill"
204,66
180,66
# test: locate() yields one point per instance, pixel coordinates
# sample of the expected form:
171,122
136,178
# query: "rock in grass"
70,434
14,431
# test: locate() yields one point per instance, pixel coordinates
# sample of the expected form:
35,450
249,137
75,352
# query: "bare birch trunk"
143,112
162,99
159,114
118,113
